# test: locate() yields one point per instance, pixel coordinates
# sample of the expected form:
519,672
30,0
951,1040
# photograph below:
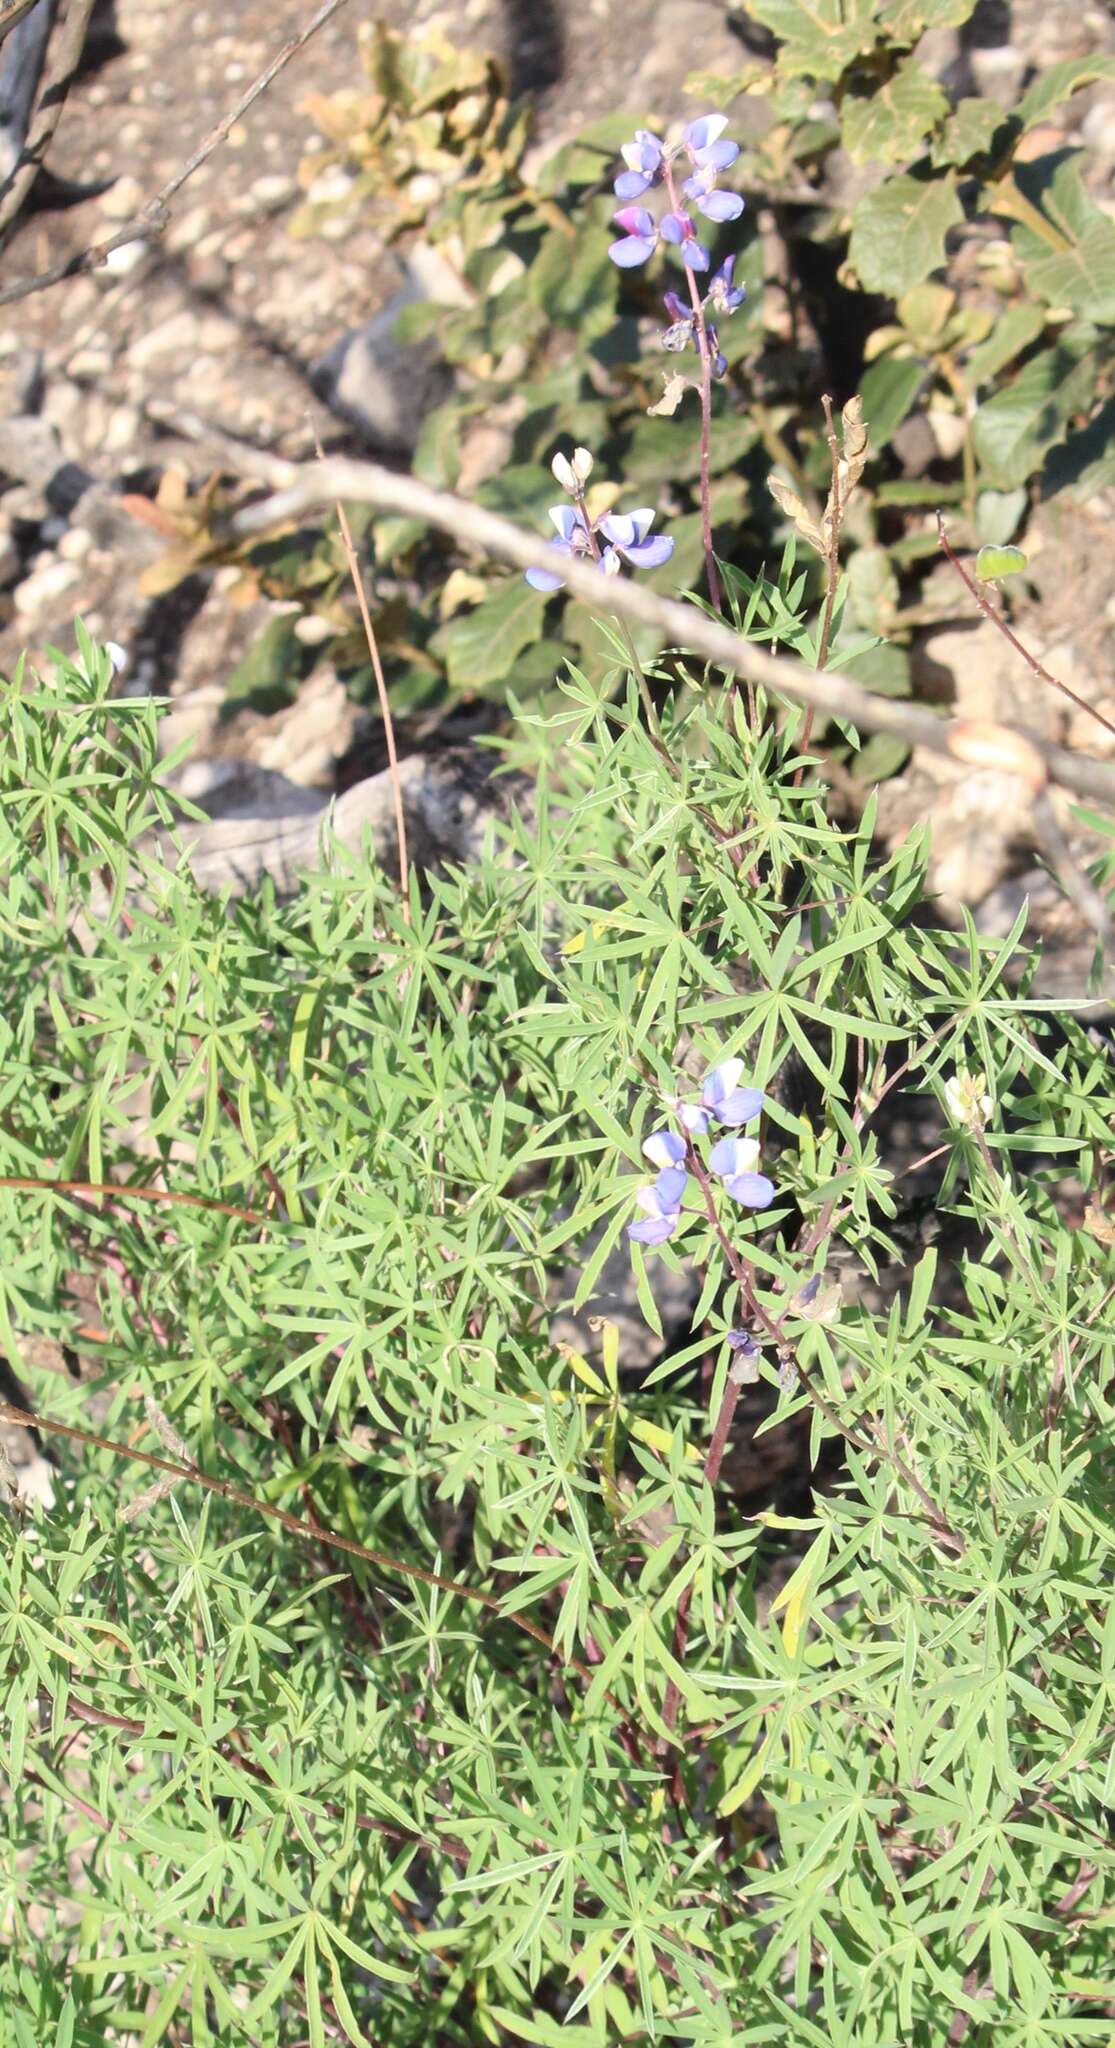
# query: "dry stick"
117,1193
992,612
152,221
12,11
832,566
384,700
314,486
48,113
227,1489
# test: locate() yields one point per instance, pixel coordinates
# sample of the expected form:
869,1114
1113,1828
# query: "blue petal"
740,1106
721,206
631,184
653,1229
633,250
670,1186
754,1190
718,156
695,256
650,554
541,579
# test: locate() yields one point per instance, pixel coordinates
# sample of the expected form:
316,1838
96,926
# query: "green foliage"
834,1771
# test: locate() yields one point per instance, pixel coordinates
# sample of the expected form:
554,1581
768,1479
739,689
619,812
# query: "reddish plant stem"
706,412
117,1193
992,612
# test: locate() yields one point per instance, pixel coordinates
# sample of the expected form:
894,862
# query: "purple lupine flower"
640,237
702,189
704,144
662,1201
627,533
722,293
678,229
722,1098
643,158
810,1291
575,539
733,1161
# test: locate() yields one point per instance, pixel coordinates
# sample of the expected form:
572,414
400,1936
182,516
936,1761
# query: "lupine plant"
393,1665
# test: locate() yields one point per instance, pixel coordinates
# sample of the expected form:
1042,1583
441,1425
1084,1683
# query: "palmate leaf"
889,122
1066,246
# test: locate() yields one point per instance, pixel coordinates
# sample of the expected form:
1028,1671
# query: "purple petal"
665,1148
620,528
721,206
732,1156
695,256
694,1119
699,134
700,186
720,1081
633,250
740,1107
567,519
653,1229
674,227
675,307
650,554
541,579
810,1291
610,562
635,220
718,156
642,519
670,1186
754,1190
631,184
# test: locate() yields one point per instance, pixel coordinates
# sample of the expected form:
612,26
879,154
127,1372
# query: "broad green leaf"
1013,430
888,122
479,649
992,562
898,232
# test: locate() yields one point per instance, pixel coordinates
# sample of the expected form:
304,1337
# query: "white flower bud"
573,476
967,1100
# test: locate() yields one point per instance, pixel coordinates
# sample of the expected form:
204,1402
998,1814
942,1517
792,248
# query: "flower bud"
573,476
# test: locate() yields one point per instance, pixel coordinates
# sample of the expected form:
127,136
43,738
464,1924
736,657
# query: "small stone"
174,337
123,200
75,544
273,190
89,362
122,261
122,428
40,590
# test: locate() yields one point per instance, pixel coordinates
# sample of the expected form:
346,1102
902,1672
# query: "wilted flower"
722,293
967,1099
744,1369
733,1161
722,1098
573,475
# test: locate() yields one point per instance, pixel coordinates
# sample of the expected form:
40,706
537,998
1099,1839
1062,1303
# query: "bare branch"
52,99
313,486
151,222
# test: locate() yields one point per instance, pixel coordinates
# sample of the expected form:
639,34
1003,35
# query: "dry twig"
152,221
313,486
52,99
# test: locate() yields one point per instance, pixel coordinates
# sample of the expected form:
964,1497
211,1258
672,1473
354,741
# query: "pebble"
75,544
38,591
273,190
123,200
122,261
174,337
122,429
89,362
